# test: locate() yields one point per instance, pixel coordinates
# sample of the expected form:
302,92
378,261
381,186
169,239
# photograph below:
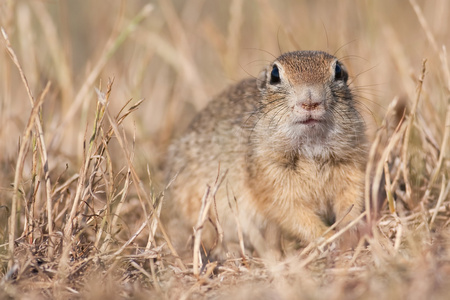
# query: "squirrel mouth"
309,121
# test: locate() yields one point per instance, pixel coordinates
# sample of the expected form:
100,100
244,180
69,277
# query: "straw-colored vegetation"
81,154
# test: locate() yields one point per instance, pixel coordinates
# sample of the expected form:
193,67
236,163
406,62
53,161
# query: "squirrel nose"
309,106
310,98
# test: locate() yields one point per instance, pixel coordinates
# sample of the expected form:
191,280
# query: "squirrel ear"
262,80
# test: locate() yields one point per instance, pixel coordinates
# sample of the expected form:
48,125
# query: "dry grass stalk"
48,185
33,120
137,182
371,206
424,24
207,200
110,48
405,163
440,201
202,216
238,225
57,52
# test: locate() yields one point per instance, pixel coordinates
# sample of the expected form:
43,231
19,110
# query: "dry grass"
80,192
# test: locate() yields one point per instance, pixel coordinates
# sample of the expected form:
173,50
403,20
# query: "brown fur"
287,175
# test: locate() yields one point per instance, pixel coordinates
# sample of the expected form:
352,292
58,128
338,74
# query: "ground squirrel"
292,144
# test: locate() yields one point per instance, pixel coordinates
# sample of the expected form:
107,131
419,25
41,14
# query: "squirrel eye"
340,73
275,75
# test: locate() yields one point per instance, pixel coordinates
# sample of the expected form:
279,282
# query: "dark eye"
275,75
340,73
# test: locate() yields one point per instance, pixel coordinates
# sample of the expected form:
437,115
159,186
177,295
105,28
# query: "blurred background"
176,55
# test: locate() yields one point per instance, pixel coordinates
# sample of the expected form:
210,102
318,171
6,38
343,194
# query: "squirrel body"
293,146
